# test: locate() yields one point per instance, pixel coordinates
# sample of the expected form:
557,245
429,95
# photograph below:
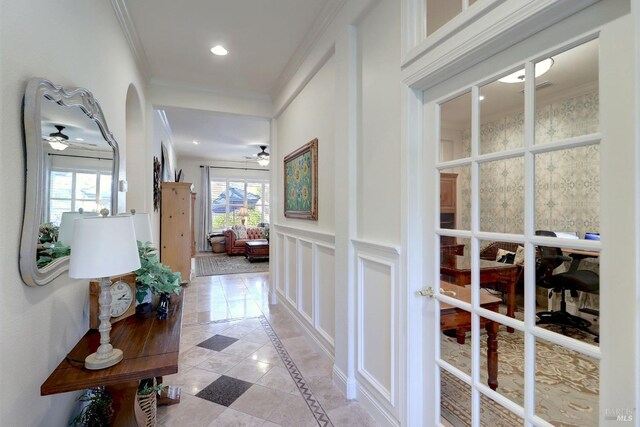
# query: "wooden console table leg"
492,354
124,396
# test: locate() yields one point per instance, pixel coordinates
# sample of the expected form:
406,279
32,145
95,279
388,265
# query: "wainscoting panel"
305,279
291,281
307,290
325,297
279,272
379,349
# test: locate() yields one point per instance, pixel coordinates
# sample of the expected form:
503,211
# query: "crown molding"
318,28
175,84
132,37
167,127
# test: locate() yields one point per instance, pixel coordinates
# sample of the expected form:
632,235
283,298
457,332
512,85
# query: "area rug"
218,264
567,383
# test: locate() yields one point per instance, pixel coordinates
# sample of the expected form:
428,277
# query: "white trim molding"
380,391
290,276
478,36
130,33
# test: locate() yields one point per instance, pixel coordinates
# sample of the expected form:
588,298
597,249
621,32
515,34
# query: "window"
228,196
71,190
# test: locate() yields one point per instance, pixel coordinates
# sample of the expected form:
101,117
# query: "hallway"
239,357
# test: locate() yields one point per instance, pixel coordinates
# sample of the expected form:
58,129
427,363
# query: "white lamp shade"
65,233
103,247
142,226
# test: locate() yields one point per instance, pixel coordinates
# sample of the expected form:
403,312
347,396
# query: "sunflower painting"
301,182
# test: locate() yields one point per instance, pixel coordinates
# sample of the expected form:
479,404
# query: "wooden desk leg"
461,280
492,354
124,396
511,301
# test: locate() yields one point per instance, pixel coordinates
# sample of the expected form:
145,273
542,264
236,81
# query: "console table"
150,348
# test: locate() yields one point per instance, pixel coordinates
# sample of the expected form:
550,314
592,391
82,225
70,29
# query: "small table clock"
123,299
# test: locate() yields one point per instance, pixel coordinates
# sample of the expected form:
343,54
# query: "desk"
150,348
460,320
459,270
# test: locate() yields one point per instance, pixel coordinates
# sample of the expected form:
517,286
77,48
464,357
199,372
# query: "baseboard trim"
377,410
340,380
314,336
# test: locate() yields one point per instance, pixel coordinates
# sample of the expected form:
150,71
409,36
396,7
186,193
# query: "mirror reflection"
72,169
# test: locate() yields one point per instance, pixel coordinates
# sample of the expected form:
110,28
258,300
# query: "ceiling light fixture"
518,77
58,140
481,97
263,157
196,142
219,50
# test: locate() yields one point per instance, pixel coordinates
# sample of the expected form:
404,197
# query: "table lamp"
102,247
142,226
65,234
243,214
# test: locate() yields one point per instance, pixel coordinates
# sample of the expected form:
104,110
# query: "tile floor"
239,356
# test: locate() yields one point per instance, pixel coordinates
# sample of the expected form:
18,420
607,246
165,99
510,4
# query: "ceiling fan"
263,156
58,140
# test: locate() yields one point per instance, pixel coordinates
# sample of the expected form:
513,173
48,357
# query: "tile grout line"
316,409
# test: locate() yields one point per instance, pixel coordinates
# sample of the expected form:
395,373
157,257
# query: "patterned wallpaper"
567,181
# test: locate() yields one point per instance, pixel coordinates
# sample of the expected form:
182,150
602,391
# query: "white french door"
545,144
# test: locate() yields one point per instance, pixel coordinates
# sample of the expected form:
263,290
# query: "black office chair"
573,280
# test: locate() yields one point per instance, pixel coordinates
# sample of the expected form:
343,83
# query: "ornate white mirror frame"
37,91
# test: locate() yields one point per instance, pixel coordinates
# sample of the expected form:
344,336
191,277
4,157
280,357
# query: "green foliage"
219,221
52,251
255,217
154,275
48,233
147,387
97,412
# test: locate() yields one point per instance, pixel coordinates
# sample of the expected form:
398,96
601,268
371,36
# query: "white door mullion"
529,221
474,253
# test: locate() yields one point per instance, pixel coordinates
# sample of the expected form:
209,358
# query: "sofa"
237,236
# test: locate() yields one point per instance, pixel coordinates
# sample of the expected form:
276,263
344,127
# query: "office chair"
573,281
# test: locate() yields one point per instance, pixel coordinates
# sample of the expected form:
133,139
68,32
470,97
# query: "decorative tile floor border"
316,409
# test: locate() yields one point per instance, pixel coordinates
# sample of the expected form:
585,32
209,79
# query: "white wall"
378,334
348,85
40,325
160,135
310,116
304,279
379,141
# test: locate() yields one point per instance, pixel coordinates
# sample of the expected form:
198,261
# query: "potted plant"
155,278
97,411
146,398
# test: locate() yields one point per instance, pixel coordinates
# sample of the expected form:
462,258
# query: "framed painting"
301,182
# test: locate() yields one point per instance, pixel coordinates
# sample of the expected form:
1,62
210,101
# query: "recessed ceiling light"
196,142
219,50
481,97
79,139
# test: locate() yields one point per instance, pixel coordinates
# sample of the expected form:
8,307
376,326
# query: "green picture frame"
301,182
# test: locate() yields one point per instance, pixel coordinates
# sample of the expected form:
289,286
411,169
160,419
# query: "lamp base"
96,361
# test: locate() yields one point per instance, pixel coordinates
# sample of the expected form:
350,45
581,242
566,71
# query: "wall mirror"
72,167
